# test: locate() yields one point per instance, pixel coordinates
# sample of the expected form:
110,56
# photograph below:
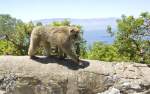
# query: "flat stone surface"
22,75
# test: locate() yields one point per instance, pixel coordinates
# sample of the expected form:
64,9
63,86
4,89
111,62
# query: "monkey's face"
74,32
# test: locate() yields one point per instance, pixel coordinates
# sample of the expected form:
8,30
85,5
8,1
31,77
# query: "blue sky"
27,10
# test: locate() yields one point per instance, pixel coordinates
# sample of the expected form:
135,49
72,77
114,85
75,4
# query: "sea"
92,36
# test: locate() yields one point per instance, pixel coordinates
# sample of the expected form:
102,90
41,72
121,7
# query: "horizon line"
68,18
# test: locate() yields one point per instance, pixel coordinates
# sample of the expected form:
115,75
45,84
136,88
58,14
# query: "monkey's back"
51,34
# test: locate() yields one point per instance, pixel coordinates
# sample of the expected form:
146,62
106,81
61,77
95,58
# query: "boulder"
42,75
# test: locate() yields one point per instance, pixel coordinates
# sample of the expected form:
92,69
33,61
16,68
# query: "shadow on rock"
65,62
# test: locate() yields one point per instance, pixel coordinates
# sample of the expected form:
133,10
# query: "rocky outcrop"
21,75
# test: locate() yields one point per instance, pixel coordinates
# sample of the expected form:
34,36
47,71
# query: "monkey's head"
74,32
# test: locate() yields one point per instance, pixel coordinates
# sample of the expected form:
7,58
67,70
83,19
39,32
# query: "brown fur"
62,37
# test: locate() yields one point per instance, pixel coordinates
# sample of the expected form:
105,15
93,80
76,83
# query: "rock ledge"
22,75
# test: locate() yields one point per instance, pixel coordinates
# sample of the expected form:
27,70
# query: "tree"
133,37
104,52
65,22
17,34
39,24
7,25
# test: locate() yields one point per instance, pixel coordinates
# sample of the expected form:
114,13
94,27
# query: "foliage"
66,22
17,34
7,48
104,52
133,37
39,24
7,25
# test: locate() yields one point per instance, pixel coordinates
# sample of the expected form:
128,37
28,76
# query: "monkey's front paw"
33,57
81,64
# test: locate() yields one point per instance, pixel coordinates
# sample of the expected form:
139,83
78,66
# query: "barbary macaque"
61,37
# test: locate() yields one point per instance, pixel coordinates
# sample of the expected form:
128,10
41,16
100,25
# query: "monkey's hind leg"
47,48
34,43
